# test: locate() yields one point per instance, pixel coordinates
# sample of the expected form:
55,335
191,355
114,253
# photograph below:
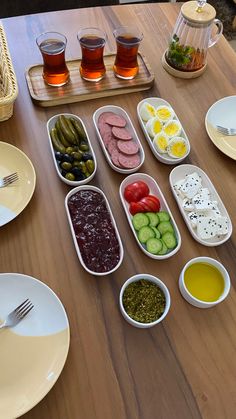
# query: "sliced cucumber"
163,216
170,240
140,220
164,227
164,249
157,232
153,218
145,233
154,246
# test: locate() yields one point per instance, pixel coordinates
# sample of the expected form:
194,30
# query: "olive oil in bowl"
204,282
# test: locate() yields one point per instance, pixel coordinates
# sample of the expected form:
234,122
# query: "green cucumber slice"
154,246
163,216
140,220
145,233
157,232
153,218
170,240
164,227
164,249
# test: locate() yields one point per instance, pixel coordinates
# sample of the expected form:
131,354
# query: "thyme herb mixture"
144,301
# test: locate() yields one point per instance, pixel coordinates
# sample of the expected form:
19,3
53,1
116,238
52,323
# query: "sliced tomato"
136,191
151,202
136,207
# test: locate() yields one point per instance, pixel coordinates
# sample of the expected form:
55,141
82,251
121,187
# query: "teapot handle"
215,38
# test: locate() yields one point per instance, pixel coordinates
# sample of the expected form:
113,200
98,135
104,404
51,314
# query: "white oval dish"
177,174
93,188
119,111
51,124
154,190
157,282
164,158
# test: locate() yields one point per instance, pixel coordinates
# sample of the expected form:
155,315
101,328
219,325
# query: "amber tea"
126,62
52,47
92,42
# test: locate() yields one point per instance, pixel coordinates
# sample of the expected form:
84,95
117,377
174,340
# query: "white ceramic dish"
156,281
93,188
119,111
33,353
51,124
154,190
179,173
164,158
222,112
195,301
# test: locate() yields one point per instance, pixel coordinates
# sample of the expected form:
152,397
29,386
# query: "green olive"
87,174
66,165
70,176
69,150
82,167
84,147
90,166
77,155
76,163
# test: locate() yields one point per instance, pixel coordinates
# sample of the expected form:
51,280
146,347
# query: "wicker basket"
8,83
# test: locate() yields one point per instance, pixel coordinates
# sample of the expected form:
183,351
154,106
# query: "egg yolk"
157,127
171,129
162,143
151,110
178,149
163,113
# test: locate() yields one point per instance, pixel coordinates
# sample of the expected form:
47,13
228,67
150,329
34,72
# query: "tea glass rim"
128,30
50,32
92,28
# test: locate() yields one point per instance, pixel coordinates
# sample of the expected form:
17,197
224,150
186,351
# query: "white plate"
179,173
164,158
93,188
51,124
222,112
15,197
119,111
154,190
33,353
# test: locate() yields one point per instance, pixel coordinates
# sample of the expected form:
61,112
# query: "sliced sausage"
115,157
128,147
121,134
129,162
112,145
103,116
115,120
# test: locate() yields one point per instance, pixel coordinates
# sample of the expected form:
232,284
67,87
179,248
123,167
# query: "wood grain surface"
186,366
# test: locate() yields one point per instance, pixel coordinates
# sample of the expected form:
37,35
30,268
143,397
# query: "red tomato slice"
151,202
135,191
136,207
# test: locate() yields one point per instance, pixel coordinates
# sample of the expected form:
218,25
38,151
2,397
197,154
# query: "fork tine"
23,308
15,174
19,307
10,179
25,312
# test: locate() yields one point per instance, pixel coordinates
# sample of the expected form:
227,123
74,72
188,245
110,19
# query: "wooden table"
186,366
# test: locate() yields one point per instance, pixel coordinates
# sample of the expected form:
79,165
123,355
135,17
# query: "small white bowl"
156,281
195,301
162,157
51,124
119,111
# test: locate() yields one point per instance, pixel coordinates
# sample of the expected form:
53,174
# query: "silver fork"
7,180
226,131
18,314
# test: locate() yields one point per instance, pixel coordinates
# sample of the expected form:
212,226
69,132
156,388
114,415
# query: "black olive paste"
95,233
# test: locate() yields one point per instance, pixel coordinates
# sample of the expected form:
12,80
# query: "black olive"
68,158
59,156
87,156
79,175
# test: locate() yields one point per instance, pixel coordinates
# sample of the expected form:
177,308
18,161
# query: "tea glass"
128,39
92,42
52,46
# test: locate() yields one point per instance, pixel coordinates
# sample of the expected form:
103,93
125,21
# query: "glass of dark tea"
128,39
92,42
52,46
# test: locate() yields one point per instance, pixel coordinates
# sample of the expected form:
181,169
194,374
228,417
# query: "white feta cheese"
191,185
222,225
177,188
203,204
187,205
207,228
194,217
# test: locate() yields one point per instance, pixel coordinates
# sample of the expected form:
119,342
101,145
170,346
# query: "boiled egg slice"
172,128
161,142
178,147
154,126
147,111
164,113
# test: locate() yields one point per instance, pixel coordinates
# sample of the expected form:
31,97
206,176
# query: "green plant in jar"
179,55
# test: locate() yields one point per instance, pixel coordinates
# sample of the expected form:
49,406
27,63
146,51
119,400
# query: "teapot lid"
198,12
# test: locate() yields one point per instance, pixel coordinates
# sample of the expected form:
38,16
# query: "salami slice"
103,116
128,147
115,157
115,120
121,134
129,162
112,145
106,138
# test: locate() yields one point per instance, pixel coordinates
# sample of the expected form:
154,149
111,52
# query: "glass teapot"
192,36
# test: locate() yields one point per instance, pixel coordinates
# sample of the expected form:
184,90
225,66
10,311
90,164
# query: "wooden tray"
78,90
